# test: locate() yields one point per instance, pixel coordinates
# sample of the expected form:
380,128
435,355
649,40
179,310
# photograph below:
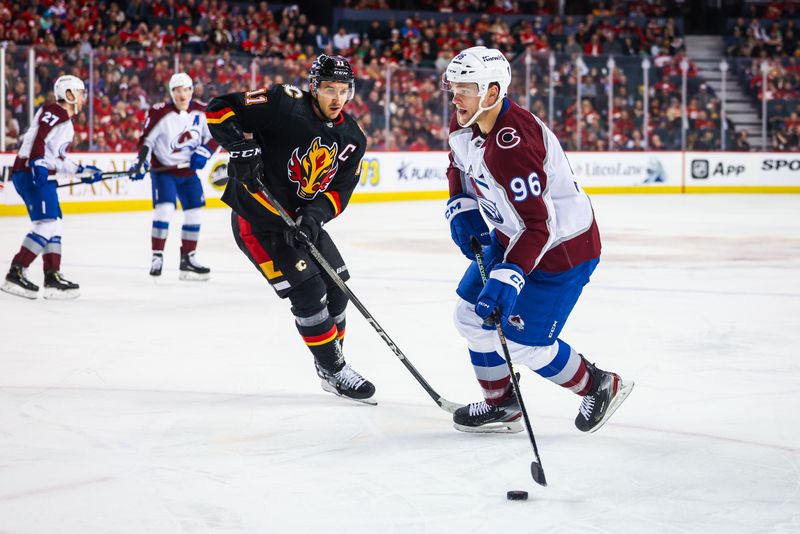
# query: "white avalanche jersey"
526,190
172,136
48,137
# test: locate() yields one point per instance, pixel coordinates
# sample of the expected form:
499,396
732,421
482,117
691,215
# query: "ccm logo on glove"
249,153
466,221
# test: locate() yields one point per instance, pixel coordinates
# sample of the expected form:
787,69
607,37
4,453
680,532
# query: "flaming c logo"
313,171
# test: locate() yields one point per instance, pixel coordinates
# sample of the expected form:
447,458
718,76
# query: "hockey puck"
516,495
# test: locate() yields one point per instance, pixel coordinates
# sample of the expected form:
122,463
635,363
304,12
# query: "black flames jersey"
306,159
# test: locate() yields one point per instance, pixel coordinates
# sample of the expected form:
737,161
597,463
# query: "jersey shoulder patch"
516,152
156,113
517,132
292,90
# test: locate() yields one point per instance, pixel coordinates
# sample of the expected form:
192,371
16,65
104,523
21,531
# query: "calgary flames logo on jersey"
313,171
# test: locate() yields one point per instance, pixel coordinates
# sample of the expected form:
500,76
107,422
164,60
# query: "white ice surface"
194,407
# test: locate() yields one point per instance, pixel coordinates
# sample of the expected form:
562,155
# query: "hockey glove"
501,291
95,174
40,172
245,165
307,229
200,157
138,170
465,222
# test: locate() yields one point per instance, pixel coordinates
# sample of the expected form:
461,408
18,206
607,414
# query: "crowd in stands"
703,109
620,8
225,46
770,38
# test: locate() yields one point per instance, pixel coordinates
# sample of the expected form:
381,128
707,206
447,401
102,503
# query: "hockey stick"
537,471
443,403
106,176
110,175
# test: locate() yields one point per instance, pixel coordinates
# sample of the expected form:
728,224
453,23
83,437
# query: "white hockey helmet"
65,83
482,66
180,79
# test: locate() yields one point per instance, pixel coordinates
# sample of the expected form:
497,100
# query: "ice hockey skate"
57,287
479,417
608,391
18,284
191,270
347,383
156,264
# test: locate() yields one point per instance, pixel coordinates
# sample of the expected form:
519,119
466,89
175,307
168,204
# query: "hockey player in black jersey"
307,152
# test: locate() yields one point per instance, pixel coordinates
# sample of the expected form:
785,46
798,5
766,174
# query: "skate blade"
56,294
510,427
625,388
330,389
193,277
14,289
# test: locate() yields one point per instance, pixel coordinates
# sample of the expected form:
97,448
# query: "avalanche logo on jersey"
187,140
517,322
507,138
313,171
489,208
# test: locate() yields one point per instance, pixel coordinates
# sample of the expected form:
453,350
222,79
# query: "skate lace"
587,406
349,377
478,408
158,261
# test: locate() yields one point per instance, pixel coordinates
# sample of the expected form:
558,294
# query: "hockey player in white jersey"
507,169
41,156
176,141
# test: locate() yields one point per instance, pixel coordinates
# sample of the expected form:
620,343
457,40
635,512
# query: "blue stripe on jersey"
558,363
486,359
190,227
162,225
482,184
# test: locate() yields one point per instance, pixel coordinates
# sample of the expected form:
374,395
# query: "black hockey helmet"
331,69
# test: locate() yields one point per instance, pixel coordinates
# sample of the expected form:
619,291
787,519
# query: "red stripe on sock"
503,397
576,379
495,384
321,337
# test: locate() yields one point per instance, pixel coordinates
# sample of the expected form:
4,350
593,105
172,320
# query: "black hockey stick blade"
538,473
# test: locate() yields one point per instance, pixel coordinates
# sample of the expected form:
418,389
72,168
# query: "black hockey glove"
307,229
245,165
